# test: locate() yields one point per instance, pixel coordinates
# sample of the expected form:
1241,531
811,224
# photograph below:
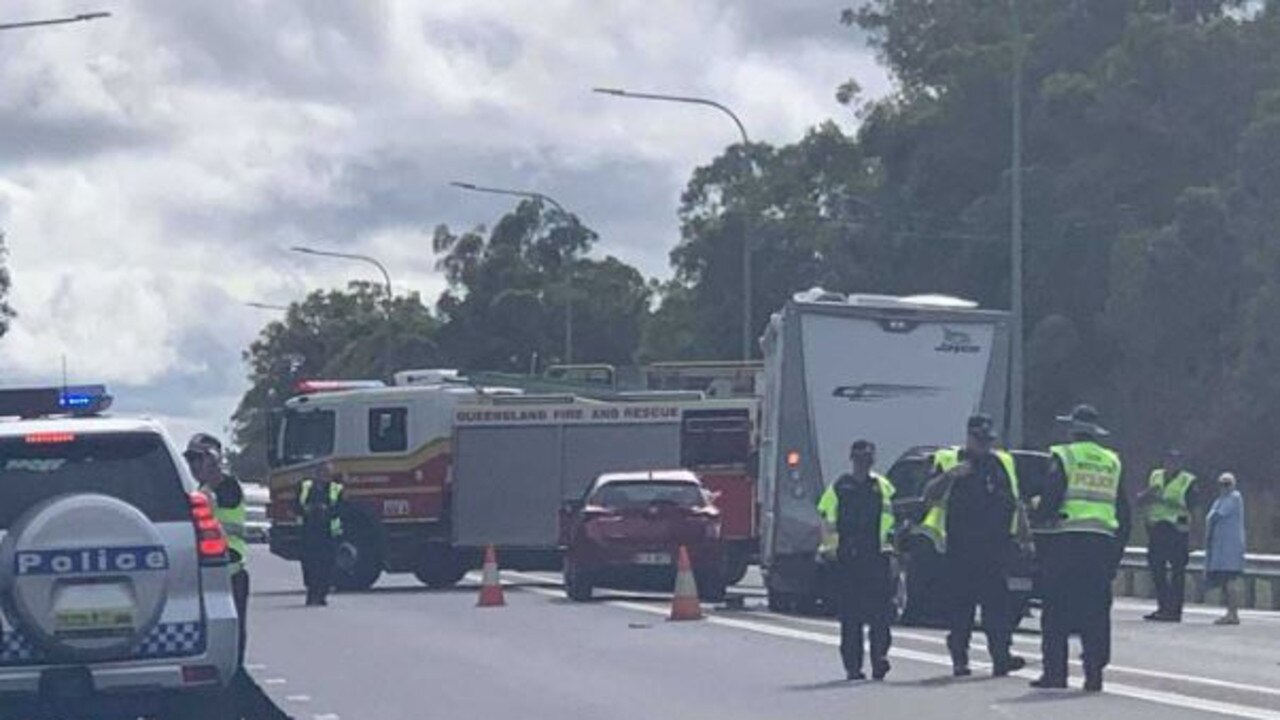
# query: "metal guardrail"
1260,580
1266,565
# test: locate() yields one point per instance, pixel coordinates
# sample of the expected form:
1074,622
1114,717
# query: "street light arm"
617,92
531,194
350,256
82,17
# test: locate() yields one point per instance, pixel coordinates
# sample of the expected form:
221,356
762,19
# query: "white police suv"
115,598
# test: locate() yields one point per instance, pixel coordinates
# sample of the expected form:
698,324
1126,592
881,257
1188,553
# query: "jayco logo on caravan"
90,561
957,341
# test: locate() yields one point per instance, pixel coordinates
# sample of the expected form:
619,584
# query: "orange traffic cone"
490,581
685,605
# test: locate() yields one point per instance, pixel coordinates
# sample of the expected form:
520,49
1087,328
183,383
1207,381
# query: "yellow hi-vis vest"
1093,484
232,520
335,492
829,510
1170,504
934,525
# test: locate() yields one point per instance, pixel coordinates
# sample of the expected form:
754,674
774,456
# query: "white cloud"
153,166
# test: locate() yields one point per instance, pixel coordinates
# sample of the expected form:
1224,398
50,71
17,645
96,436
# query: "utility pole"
1016,361
747,331
386,277
568,274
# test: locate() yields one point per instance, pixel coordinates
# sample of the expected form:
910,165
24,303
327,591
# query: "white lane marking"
326,716
298,698
254,667
1154,696
274,681
1032,642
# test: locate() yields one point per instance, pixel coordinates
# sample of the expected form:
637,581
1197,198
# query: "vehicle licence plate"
94,622
653,559
1019,584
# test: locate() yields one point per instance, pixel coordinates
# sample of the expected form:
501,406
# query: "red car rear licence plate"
653,558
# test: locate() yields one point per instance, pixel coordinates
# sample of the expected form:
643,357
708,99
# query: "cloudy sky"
154,165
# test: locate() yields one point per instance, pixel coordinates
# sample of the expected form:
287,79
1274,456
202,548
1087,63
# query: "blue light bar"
43,402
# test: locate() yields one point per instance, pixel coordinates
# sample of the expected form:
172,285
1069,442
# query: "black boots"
1008,664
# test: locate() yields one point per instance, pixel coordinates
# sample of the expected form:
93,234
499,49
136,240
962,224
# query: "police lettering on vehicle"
90,561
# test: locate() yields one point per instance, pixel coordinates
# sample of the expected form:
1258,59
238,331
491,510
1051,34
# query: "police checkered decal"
164,640
14,648
168,640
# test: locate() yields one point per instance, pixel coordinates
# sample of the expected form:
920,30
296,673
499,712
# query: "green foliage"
6,311
510,291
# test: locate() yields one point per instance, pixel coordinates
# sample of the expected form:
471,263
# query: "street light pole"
390,346
82,17
386,277
746,235
1016,371
568,276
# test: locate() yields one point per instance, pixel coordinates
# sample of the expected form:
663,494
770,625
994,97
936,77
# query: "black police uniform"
980,507
1168,552
864,580
1077,569
319,546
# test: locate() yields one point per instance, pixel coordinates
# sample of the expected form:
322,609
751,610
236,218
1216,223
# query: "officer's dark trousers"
1077,571
240,595
1167,555
866,601
317,567
973,583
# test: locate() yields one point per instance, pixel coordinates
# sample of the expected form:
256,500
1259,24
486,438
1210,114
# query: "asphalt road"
401,651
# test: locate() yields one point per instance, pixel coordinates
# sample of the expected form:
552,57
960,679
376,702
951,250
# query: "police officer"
320,504
857,519
204,456
1167,502
977,499
1083,524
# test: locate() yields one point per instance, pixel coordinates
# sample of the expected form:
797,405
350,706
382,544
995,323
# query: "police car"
115,598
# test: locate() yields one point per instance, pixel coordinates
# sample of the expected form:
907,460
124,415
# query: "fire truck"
437,466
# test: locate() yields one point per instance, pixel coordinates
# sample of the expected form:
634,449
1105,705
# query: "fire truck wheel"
736,568
711,585
441,568
577,585
364,572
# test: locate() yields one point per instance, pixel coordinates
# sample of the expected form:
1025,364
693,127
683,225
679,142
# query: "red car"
627,530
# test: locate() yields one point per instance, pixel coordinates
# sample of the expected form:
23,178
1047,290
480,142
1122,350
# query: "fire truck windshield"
308,435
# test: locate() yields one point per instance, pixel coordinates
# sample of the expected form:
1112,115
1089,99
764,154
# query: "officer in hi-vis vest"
204,456
1082,527
975,511
857,529
1166,508
320,504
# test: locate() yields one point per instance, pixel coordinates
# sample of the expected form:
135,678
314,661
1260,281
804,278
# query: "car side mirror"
571,507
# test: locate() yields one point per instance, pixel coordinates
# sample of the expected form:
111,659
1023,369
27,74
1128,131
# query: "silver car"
115,598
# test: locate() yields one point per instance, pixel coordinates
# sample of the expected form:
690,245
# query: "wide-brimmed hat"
1084,419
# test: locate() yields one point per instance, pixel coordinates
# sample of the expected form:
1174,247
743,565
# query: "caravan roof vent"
818,295
912,302
941,301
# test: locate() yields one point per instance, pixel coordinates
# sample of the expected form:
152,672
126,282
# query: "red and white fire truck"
437,467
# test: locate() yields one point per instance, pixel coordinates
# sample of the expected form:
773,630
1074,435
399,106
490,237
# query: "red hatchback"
627,530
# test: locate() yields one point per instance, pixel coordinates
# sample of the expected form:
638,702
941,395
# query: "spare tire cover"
84,577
